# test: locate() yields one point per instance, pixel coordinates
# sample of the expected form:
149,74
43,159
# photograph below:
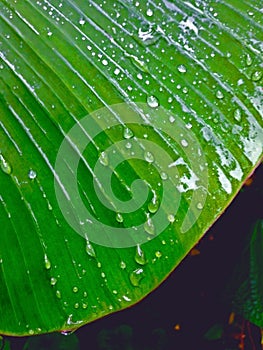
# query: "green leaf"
248,299
96,95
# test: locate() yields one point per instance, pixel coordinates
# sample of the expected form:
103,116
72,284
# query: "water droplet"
138,63
139,256
237,114
219,94
199,206
257,75
181,68
164,176
58,294
127,133
5,166
75,289
122,265
104,62
32,174
149,12
76,306
249,60
31,332
153,205
152,101
158,254
148,156
103,158
149,226
47,262
82,21
66,333
171,218
184,143
136,276
116,71
90,250
84,306
119,218
53,281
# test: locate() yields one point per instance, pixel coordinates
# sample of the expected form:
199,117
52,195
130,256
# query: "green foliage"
197,76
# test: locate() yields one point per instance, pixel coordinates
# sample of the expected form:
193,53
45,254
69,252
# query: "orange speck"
177,327
194,252
248,181
231,318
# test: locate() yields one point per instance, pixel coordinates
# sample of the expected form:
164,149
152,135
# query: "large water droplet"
90,250
4,165
139,256
119,218
181,68
149,226
53,281
136,276
103,158
148,156
127,133
47,262
153,205
257,75
32,174
149,12
219,94
249,60
152,101
158,254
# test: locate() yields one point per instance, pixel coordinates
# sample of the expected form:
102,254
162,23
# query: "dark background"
192,299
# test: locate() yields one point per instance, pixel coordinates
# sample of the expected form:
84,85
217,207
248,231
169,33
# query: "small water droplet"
5,166
58,294
127,133
32,174
164,176
84,306
257,75
47,262
152,101
53,281
219,94
136,276
104,62
31,332
153,205
158,254
122,265
249,60
171,218
90,250
116,71
119,218
75,289
199,206
184,143
103,158
139,256
181,68
148,156
185,90
66,333
82,21
76,306
237,114
149,226
149,12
